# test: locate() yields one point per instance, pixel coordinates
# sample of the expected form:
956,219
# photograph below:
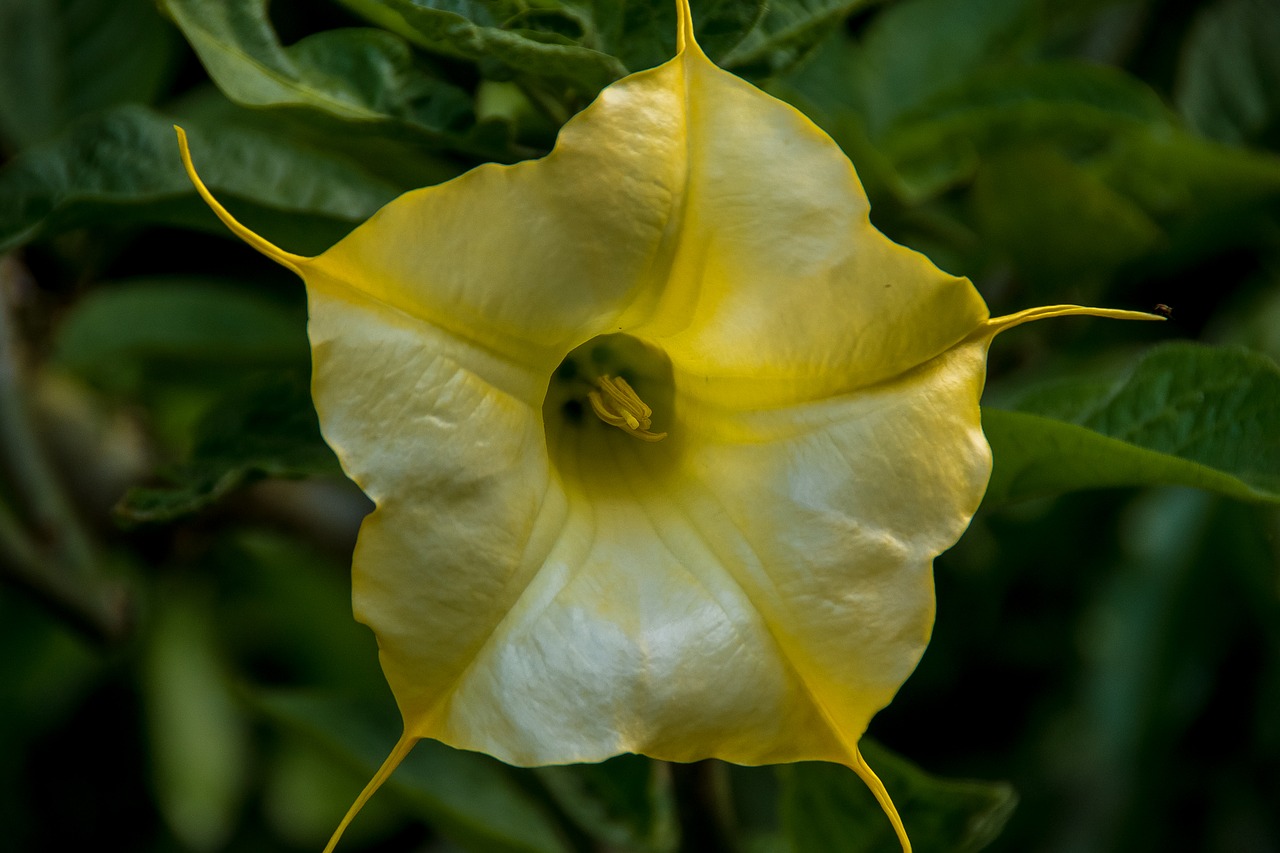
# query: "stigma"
617,404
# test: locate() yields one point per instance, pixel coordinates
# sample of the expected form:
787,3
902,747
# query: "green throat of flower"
615,378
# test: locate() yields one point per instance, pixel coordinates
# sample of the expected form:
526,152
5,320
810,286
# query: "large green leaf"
1061,225
123,166
555,42
362,75
580,45
1090,94
642,33
1077,169
919,49
788,31
1204,194
590,43
66,58
122,333
1072,106
1184,415
825,807
177,344
1111,157
934,87
222,367
471,799
1229,80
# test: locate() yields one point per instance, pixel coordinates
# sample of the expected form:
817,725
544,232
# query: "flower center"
625,382
617,404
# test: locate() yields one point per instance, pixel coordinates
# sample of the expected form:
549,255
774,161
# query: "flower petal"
533,259
780,289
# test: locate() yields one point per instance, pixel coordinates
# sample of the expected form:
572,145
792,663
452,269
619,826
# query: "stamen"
617,404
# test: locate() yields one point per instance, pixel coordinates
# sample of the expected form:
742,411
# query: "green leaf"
361,75
935,87
626,802
179,344
1184,415
265,428
471,799
919,49
1071,106
63,59
586,45
200,760
724,25
642,34
1062,226
827,807
402,164
122,166
1229,80
546,43
1204,194
787,33
124,332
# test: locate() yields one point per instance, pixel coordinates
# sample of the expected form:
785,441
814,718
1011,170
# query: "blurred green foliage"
192,679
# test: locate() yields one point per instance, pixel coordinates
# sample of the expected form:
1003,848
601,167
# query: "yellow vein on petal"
669,248
996,325
398,753
426,723
285,259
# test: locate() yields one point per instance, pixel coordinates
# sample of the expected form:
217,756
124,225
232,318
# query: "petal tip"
398,753
872,781
684,27
266,247
996,325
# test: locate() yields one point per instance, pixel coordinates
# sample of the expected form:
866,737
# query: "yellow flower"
663,436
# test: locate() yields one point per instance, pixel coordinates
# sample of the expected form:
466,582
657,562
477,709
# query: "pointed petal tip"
996,325
286,259
859,765
684,28
398,753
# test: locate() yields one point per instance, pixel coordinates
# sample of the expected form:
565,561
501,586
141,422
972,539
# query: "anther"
617,404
